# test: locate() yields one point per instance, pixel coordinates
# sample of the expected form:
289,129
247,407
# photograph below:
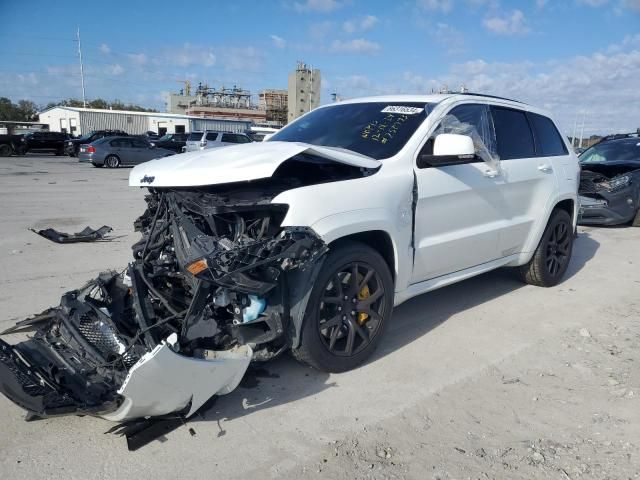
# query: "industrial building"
304,91
77,120
274,104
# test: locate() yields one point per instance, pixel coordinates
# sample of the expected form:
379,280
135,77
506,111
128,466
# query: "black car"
73,146
172,141
42,142
610,182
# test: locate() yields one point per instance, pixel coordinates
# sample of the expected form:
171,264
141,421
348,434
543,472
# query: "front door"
460,208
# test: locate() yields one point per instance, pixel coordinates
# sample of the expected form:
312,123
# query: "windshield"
618,150
86,136
195,136
378,130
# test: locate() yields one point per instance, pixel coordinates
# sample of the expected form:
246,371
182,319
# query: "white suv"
304,243
213,139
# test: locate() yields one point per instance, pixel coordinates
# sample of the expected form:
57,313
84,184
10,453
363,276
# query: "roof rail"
490,96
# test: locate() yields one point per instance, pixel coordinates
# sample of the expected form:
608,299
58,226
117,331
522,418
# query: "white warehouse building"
77,121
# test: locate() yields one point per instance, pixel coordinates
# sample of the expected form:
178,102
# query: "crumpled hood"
236,163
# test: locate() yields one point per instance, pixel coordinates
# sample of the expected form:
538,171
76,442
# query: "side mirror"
449,149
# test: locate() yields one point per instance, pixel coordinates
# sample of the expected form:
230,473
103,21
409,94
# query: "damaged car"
610,182
303,243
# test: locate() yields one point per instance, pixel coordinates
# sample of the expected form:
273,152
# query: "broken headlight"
617,183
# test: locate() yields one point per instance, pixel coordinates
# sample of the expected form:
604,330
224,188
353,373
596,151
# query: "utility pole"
84,100
575,127
582,129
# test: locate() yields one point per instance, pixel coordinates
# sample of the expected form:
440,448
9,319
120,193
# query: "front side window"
139,143
548,138
234,138
376,129
212,136
473,120
514,138
195,136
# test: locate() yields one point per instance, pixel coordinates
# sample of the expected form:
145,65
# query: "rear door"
460,207
211,140
530,180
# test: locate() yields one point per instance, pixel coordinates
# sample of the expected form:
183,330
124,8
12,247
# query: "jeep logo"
147,179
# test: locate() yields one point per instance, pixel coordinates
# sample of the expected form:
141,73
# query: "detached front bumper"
607,208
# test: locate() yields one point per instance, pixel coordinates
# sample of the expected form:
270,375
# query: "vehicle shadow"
584,249
285,380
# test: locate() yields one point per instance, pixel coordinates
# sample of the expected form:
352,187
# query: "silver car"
212,139
117,151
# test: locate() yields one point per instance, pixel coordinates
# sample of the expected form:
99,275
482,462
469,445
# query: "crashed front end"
206,294
608,195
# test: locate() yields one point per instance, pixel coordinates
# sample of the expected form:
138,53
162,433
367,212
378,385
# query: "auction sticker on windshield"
402,109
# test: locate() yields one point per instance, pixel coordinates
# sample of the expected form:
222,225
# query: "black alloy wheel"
351,309
551,259
558,248
348,308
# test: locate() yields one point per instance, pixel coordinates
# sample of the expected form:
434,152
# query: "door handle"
545,168
491,173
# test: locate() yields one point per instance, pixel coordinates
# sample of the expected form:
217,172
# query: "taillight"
203,143
91,149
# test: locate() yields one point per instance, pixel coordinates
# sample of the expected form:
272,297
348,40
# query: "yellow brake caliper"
362,294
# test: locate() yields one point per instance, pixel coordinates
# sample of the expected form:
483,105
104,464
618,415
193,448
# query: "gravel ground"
488,378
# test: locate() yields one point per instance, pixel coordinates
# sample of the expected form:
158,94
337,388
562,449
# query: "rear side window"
514,138
234,138
548,138
212,136
195,136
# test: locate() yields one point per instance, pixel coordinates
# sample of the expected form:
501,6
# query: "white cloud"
631,4
361,24
104,48
510,24
278,42
115,69
357,45
319,30
188,55
449,37
541,3
593,3
443,6
138,59
322,6
241,59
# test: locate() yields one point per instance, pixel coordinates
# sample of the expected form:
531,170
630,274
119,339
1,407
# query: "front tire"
112,161
349,307
551,259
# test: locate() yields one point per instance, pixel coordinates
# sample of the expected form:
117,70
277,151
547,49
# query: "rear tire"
5,150
345,318
551,259
112,161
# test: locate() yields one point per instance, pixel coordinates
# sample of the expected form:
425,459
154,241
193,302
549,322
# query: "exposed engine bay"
206,293
609,193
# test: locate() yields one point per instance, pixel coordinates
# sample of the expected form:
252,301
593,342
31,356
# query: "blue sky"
575,57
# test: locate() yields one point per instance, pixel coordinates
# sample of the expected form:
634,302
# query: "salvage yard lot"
488,378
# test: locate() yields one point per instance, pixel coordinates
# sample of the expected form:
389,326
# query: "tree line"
27,111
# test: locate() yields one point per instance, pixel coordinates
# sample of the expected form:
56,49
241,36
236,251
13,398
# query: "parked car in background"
151,135
72,146
172,141
610,182
213,139
120,151
258,134
53,142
